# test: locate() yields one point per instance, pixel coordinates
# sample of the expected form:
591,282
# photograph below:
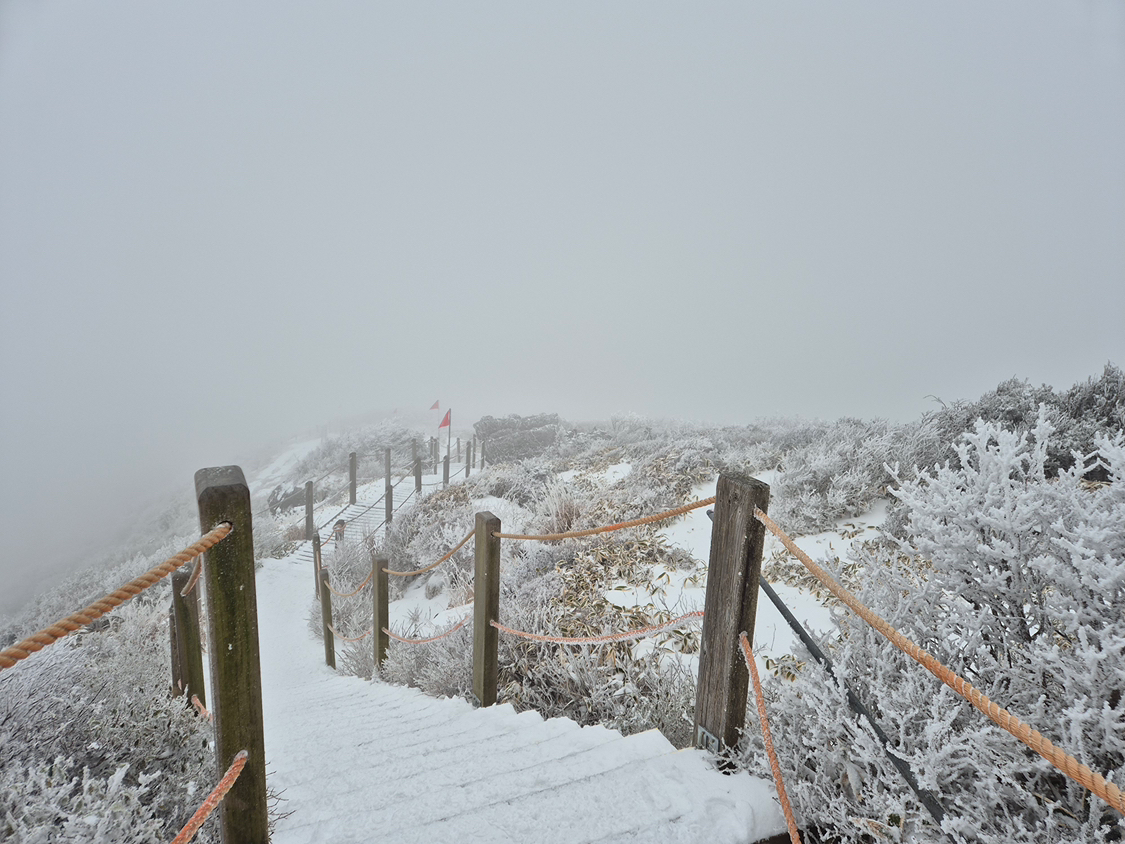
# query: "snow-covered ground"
360,761
424,769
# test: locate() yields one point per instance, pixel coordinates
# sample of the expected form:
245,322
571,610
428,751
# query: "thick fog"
222,225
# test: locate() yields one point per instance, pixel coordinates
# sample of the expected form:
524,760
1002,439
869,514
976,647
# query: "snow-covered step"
359,761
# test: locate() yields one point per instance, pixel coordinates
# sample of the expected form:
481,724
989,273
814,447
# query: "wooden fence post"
737,539
310,528
380,617
486,608
236,676
417,467
351,477
326,620
458,449
467,450
189,654
317,562
482,444
389,490
174,645
445,472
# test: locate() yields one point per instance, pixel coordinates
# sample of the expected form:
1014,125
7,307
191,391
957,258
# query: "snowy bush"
92,745
1014,576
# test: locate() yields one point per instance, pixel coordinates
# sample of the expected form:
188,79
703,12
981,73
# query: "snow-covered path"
363,761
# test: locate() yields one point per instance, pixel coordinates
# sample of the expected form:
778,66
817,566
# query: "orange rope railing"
448,632
767,737
1062,760
201,709
355,591
444,557
343,638
574,534
213,799
639,633
49,635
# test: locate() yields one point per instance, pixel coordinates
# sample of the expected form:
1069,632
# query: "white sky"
221,224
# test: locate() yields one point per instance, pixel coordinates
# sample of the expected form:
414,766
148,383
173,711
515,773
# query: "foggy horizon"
221,227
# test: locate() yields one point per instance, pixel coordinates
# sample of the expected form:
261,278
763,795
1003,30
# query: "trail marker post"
735,566
236,676
486,608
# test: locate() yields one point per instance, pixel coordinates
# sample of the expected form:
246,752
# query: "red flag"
445,421
434,406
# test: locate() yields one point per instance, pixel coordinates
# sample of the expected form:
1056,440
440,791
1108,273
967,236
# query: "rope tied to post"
1082,774
355,591
575,534
213,799
432,566
76,621
440,636
767,738
628,635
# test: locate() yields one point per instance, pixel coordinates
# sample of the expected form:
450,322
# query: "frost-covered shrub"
92,745
369,443
1014,576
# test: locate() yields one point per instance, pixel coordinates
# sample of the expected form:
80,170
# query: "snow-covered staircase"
366,761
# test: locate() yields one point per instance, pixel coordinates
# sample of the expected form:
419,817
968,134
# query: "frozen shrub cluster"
92,745
1013,574
838,474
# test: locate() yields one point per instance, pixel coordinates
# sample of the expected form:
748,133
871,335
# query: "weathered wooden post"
445,472
326,620
351,477
467,461
189,654
435,451
389,489
317,562
486,608
174,646
458,449
482,444
737,539
380,617
236,676
310,528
